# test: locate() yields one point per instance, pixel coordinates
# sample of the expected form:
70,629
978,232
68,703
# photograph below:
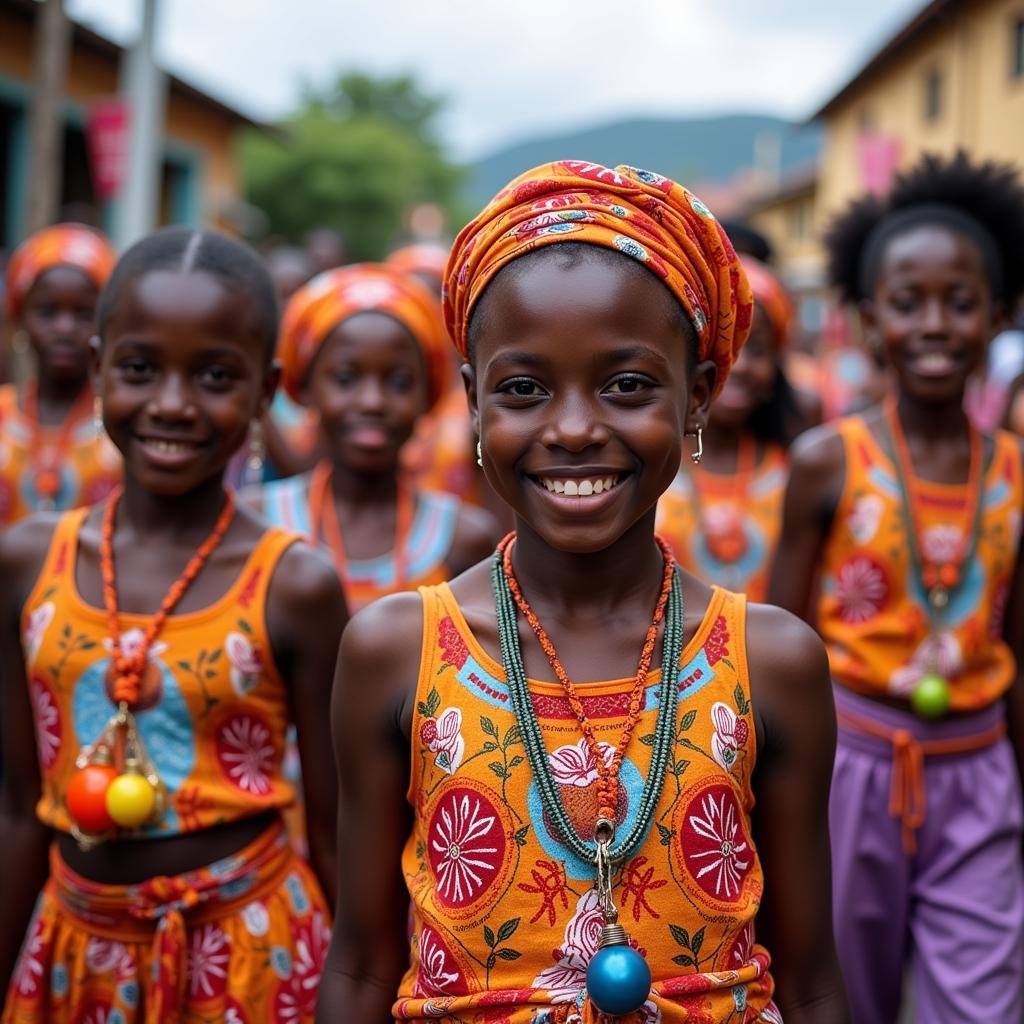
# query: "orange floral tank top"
872,609
213,709
89,471
723,532
505,918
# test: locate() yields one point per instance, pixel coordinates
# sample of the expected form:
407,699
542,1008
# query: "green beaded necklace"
522,705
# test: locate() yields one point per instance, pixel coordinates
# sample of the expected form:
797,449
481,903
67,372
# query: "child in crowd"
536,819
365,348
723,513
53,454
155,650
901,530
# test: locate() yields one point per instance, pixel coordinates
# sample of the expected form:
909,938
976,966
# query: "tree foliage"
356,158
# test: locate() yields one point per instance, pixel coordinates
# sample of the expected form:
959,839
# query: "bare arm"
371,711
23,851
816,474
476,536
306,614
792,698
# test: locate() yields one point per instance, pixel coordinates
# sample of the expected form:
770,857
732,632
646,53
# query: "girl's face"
369,384
752,379
182,373
59,316
932,311
581,394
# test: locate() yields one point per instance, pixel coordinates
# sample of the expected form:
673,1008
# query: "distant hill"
688,149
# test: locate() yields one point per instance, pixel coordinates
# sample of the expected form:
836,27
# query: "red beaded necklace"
323,516
607,770
939,578
47,456
130,670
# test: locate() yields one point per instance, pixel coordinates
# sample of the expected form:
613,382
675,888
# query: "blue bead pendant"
618,978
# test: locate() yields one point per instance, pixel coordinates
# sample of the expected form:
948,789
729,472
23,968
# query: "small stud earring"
697,455
479,455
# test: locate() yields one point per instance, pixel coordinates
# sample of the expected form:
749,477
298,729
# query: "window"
1017,53
933,95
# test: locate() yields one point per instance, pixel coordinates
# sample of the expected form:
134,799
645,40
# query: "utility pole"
46,126
144,88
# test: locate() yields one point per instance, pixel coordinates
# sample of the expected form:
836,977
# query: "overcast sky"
515,69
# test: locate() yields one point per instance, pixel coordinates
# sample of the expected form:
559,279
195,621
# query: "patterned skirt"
242,940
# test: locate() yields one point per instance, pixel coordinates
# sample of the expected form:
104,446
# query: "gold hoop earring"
697,455
479,455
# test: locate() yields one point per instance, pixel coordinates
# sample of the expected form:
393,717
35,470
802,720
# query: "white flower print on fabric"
461,834
103,956
864,518
436,976
939,652
446,740
246,663
208,962
246,752
28,976
35,629
574,765
730,734
564,979
46,714
941,542
131,642
726,856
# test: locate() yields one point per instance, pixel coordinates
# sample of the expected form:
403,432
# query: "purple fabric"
956,907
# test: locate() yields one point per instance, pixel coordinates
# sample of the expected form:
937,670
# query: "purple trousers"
955,906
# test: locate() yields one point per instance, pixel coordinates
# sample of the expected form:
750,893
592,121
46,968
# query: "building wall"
982,104
200,141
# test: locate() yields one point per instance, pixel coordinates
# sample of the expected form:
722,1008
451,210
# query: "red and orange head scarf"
639,213
335,295
771,296
63,245
424,258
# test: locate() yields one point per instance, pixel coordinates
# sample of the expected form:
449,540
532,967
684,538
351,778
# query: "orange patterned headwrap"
63,245
639,213
427,258
771,296
335,295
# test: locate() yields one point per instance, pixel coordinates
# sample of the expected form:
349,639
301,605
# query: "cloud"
517,70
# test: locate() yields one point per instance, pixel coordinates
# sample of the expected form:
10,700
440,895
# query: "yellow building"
201,178
952,77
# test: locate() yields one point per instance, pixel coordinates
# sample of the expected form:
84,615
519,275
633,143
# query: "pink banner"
107,138
879,158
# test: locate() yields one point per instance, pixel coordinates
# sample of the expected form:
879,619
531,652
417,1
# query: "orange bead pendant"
87,798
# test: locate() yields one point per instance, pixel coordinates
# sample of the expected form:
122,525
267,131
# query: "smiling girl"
52,455
155,649
910,519
364,347
553,735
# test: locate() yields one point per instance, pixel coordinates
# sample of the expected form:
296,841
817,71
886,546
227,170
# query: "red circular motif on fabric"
440,973
246,753
713,846
94,1009
861,589
46,712
234,1012
468,847
312,937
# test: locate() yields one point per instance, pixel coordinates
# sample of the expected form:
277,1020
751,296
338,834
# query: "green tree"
356,157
